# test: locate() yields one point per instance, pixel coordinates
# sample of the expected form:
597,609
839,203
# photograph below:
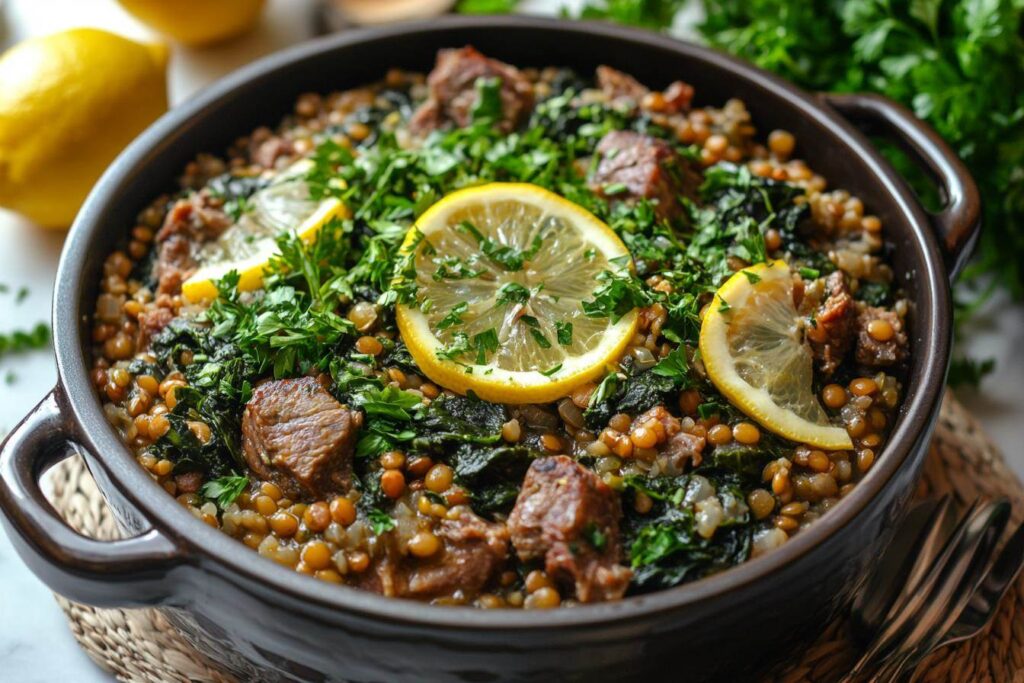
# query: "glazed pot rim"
232,558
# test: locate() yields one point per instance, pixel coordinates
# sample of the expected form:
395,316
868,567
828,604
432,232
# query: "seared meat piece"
620,87
640,164
684,449
880,354
384,576
453,92
190,222
265,147
297,435
174,263
151,322
199,216
568,517
833,333
474,551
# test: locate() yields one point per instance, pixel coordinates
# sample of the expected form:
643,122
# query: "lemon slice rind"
757,402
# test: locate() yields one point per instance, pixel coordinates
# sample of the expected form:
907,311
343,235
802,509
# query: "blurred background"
958,63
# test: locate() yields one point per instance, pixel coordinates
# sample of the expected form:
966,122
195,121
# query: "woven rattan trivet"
140,645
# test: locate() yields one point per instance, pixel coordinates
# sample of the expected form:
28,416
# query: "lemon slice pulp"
752,344
249,244
500,274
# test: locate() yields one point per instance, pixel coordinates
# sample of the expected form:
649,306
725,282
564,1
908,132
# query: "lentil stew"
294,419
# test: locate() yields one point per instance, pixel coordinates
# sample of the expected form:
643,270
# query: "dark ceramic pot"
269,623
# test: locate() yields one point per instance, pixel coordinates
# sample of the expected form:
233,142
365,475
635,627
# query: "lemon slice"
249,244
752,344
500,273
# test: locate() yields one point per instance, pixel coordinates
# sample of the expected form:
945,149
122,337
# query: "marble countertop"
34,637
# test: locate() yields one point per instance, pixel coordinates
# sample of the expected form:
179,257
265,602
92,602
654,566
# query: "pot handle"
132,572
959,221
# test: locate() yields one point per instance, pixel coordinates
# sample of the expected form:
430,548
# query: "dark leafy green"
492,475
664,547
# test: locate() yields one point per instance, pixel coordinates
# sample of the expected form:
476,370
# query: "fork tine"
961,578
938,534
985,602
903,563
955,565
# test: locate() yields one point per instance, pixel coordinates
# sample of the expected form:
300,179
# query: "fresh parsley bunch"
959,65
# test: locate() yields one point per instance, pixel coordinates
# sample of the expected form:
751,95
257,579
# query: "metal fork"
975,615
941,575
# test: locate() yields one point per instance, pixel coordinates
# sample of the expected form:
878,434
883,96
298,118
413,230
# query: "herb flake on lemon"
753,348
492,286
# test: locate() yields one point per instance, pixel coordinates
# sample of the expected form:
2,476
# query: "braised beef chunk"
199,216
265,148
297,435
151,322
620,87
634,166
685,450
453,91
567,517
474,550
190,222
174,263
835,321
473,553
874,353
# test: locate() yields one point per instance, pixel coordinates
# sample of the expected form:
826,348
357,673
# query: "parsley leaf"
224,490
564,332
380,521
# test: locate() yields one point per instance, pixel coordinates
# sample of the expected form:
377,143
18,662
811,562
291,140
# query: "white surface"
34,638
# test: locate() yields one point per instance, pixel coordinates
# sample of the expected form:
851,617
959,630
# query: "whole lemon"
196,22
69,103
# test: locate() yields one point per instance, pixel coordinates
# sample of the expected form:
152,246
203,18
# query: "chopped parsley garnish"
539,338
484,343
380,521
618,293
224,490
564,332
512,293
25,340
508,257
453,268
488,100
454,316
674,365
597,538
551,371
